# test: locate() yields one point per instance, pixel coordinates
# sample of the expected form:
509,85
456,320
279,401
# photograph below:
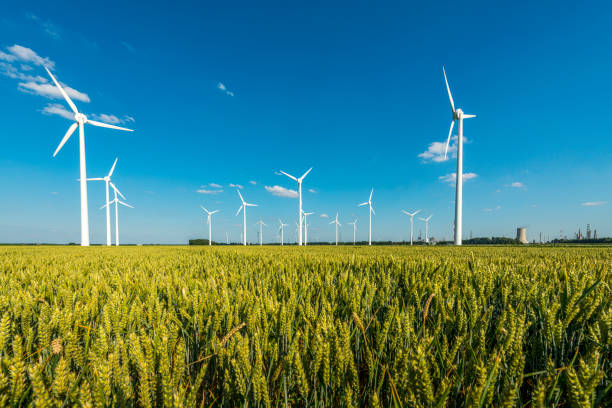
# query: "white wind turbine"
371,211
243,208
116,201
426,227
411,222
306,214
282,231
335,221
107,181
354,224
458,115
261,224
209,222
80,121
299,181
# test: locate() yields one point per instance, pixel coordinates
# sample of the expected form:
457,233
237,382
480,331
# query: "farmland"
315,326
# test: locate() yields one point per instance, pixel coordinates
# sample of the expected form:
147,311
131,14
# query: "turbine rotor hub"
80,118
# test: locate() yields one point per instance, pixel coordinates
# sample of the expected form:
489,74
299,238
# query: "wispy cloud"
312,190
281,191
253,182
435,151
207,191
451,178
493,209
48,27
593,203
221,86
50,91
128,46
324,216
57,109
215,185
517,184
240,186
27,55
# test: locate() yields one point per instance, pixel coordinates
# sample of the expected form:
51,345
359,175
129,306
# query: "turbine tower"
306,214
411,222
107,181
209,222
243,209
371,211
261,224
299,181
282,231
426,227
354,224
116,201
80,121
458,116
335,221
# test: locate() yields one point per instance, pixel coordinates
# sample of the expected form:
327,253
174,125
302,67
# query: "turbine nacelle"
80,118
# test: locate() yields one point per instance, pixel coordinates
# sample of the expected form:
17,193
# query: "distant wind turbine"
354,224
116,201
209,222
243,209
426,227
261,224
107,181
335,221
458,116
306,214
371,211
299,181
80,121
411,222
282,231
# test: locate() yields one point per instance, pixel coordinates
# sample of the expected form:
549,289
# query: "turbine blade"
69,133
289,175
64,94
122,203
241,199
362,204
240,209
106,125
214,212
110,173
107,204
450,97
372,209
305,174
450,132
371,192
468,116
95,179
204,209
116,189
416,212
251,205
406,212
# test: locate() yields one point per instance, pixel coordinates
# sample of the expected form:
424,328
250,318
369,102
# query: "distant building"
595,234
588,231
521,235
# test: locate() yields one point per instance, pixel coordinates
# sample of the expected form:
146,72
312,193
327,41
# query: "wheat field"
316,326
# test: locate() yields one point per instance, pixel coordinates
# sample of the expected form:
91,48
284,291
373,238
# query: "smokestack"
521,235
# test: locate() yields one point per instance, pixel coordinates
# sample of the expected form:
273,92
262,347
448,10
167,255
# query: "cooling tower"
521,235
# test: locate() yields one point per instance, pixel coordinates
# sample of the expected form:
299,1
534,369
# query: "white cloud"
50,91
240,186
281,191
435,151
50,28
493,209
128,46
7,57
206,191
253,182
103,117
215,185
221,86
324,216
517,184
57,109
451,178
10,71
312,190
127,118
25,54
593,203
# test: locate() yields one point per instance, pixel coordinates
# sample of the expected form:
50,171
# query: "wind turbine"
306,214
371,211
116,201
107,181
261,224
458,116
354,224
299,181
282,231
411,223
335,221
80,121
209,222
243,208
426,227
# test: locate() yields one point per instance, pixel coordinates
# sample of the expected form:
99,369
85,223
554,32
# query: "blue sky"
232,92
